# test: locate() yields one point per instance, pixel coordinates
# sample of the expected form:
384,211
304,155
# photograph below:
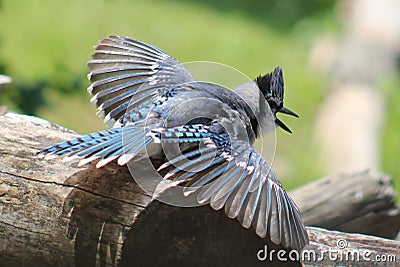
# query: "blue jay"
148,99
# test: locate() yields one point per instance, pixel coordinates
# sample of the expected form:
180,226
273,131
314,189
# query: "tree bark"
55,213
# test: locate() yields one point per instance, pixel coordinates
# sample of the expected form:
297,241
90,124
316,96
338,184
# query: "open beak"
288,112
280,123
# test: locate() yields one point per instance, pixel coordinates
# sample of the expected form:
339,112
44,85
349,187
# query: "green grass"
44,46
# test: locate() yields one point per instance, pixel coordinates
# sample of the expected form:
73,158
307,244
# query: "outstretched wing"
128,77
226,172
235,176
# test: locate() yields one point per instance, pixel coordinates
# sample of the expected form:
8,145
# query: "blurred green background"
45,44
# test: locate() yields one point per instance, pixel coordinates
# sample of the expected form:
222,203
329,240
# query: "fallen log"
364,203
55,213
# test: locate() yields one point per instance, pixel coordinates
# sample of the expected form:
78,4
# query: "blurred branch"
351,119
4,80
364,202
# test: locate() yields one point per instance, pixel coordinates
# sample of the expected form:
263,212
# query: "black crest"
272,87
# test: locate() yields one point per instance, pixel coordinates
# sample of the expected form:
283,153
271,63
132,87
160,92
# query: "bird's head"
272,87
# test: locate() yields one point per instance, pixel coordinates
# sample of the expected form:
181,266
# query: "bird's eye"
272,104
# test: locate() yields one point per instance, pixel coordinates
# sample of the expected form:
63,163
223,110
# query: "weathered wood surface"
54,213
40,201
363,202
344,249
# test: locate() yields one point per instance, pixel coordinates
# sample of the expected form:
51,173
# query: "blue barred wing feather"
129,77
238,179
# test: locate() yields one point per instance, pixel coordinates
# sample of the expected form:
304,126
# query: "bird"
148,100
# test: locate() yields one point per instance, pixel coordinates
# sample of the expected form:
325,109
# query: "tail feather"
76,144
106,145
